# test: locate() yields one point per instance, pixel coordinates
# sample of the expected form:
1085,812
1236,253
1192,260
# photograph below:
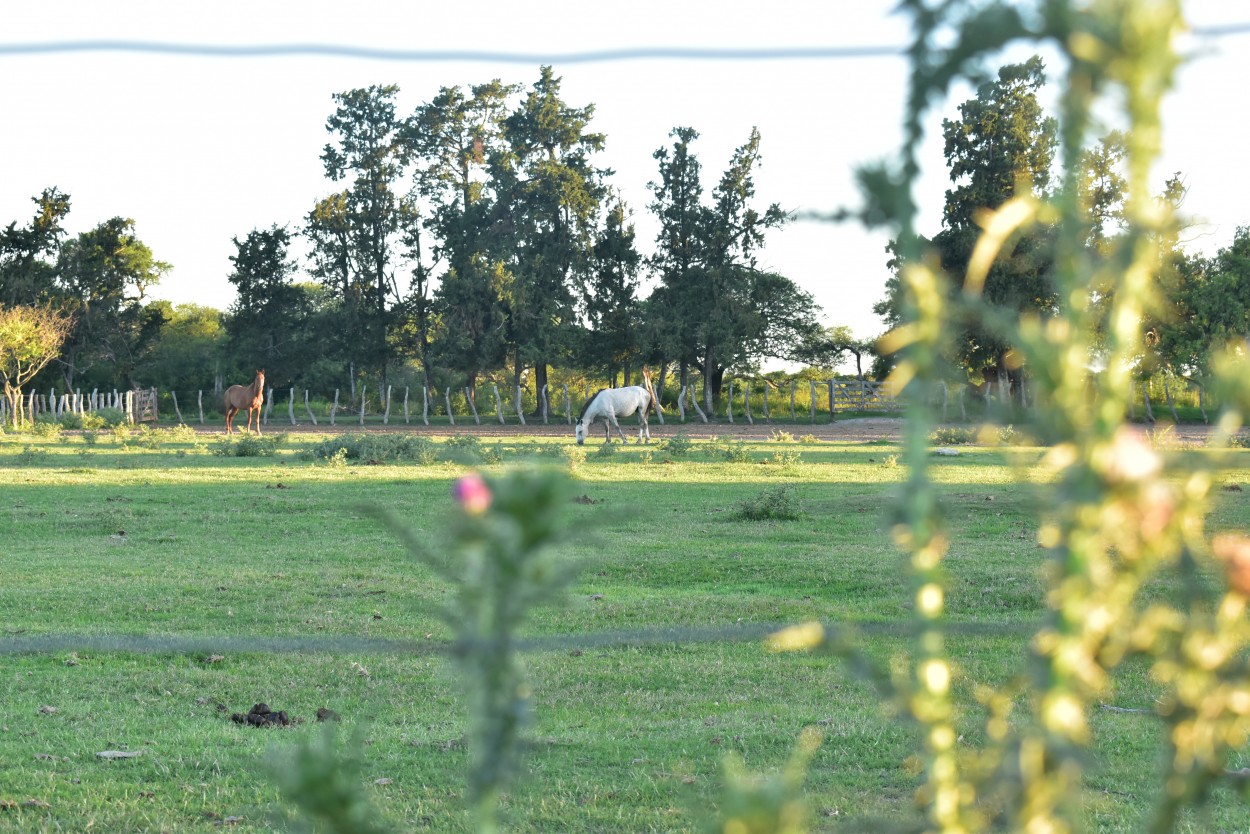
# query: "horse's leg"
249,415
607,429
643,430
230,412
618,430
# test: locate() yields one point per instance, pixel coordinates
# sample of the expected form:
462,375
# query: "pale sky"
198,150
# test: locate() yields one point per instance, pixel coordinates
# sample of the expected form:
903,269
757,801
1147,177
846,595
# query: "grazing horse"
610,403
250,397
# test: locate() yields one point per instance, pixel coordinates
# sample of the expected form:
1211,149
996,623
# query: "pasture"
157,535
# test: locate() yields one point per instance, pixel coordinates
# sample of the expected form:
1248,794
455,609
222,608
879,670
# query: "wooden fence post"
832,404
568,410
268,405
1145,396
542,396
199,401
308,408
178,411
425,404
812,403
386,415
363,388
746,403
451,418
405,405
792,417
695,402
520,412
963,411
768,418
290,405
945,397
659,412
681,400
498,402
334,408
729,403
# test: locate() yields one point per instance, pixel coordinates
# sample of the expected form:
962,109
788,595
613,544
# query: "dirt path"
862,428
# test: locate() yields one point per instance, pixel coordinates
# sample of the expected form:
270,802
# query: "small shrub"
91,421
575,456
148,439
121,434
785,457
70,421
90,437
30,456
645,456
678,446
1240,441
249,446
46,427
953,436
809,438
109,417
779,503
605,451
890,461
728,449
779,436
377,448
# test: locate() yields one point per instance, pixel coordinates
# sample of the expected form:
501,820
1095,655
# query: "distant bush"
734,451
779,436
46,427
809,438
953,436
249,445
678,445
779,503
376,448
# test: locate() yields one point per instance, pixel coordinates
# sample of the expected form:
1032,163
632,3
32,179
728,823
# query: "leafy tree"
28,254
104,275
186,355
679,252
356,232
1001,147
455,137
30,338
268,321
550,196
611,299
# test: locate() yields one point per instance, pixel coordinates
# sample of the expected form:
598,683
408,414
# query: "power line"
641,53
645,53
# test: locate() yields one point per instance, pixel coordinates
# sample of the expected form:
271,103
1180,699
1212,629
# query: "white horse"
610,403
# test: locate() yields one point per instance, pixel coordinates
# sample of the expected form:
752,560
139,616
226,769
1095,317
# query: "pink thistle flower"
472,494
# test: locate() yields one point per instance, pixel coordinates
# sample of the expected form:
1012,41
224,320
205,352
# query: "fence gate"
143,405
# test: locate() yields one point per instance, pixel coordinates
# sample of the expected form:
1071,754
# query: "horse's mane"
582,416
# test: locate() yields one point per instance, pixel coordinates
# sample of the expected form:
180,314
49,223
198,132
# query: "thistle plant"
1120,514
501,564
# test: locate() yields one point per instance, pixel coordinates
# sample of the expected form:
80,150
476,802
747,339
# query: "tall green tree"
28,253
268,321
550,195
456,136
357,232
1002,146
104,275
611,296
678,258
186,355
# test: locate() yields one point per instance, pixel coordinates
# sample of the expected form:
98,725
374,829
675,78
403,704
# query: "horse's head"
260,378
579,431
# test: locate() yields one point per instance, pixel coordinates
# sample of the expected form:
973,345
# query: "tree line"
1002,148
475,237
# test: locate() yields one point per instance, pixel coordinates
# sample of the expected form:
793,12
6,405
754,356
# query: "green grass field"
158,536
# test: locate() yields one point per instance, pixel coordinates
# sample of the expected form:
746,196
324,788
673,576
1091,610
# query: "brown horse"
250,397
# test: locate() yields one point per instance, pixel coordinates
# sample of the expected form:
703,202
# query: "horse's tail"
646,382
